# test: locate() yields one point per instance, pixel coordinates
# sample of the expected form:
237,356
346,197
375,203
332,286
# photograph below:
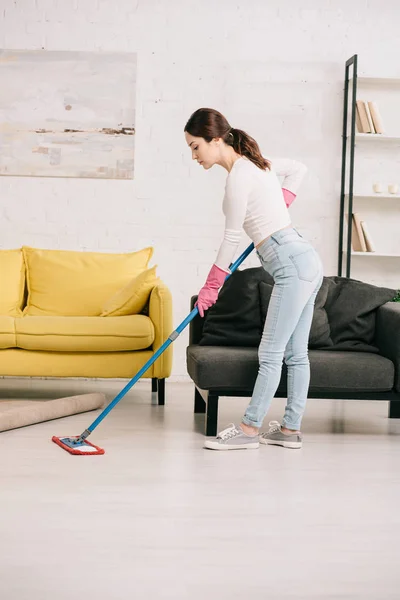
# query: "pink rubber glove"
209,292
288,196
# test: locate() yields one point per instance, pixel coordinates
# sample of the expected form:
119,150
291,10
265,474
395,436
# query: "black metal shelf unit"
350,63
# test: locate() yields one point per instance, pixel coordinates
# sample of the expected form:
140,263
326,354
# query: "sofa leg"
161,392
394,409
212,415
154,384
199,404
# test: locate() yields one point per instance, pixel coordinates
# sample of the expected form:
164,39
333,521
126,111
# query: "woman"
255,201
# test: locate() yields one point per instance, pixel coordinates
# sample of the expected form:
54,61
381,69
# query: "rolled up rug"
19,413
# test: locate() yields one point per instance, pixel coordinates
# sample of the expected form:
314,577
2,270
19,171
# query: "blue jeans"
297,272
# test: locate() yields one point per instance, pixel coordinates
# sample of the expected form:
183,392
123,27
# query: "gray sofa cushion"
351,308
344,314
235,319
227,368
320,334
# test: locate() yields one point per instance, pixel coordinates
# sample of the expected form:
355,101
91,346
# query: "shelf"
376,254
375,196
367,145
377,81
377,137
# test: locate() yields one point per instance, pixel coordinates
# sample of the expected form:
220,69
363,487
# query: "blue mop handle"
158,353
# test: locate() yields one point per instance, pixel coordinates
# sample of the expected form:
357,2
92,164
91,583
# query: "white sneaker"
233,438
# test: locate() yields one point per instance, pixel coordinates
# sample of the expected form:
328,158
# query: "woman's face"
206,153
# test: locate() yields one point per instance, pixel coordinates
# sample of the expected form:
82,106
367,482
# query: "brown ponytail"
209,124
245,145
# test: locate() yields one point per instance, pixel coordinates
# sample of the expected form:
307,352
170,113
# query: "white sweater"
254,202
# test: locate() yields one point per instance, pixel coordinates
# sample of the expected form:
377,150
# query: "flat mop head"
75,445
79,444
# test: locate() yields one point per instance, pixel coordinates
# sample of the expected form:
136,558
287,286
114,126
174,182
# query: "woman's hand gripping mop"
79,444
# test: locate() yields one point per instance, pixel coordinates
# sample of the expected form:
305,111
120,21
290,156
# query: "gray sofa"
354,345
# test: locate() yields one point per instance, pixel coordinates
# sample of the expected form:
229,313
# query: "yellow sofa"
82,314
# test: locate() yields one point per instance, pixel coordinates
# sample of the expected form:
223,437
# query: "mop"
79,444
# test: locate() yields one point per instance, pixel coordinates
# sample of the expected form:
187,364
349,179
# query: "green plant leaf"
397,297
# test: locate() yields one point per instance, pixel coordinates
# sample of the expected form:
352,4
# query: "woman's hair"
209,124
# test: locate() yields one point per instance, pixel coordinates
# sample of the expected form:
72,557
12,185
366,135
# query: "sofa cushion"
344,313
351,308
16,362
12,282
132,298
84,334
229,368
238,316
7,332
235,319
320,332
68,283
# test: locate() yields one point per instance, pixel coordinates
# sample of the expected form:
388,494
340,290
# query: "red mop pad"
79,444
74,445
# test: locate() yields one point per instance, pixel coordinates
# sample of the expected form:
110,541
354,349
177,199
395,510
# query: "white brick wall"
275,69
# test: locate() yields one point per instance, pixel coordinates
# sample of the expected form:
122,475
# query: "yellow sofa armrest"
160,313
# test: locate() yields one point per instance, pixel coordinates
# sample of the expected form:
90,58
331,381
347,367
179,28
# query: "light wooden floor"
159,517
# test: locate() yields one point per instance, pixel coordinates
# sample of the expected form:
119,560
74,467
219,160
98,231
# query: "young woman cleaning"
256,202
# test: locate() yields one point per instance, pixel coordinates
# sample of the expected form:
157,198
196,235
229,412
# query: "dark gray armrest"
387,335
196,325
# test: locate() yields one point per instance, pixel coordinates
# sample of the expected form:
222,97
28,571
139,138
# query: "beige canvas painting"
67,114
